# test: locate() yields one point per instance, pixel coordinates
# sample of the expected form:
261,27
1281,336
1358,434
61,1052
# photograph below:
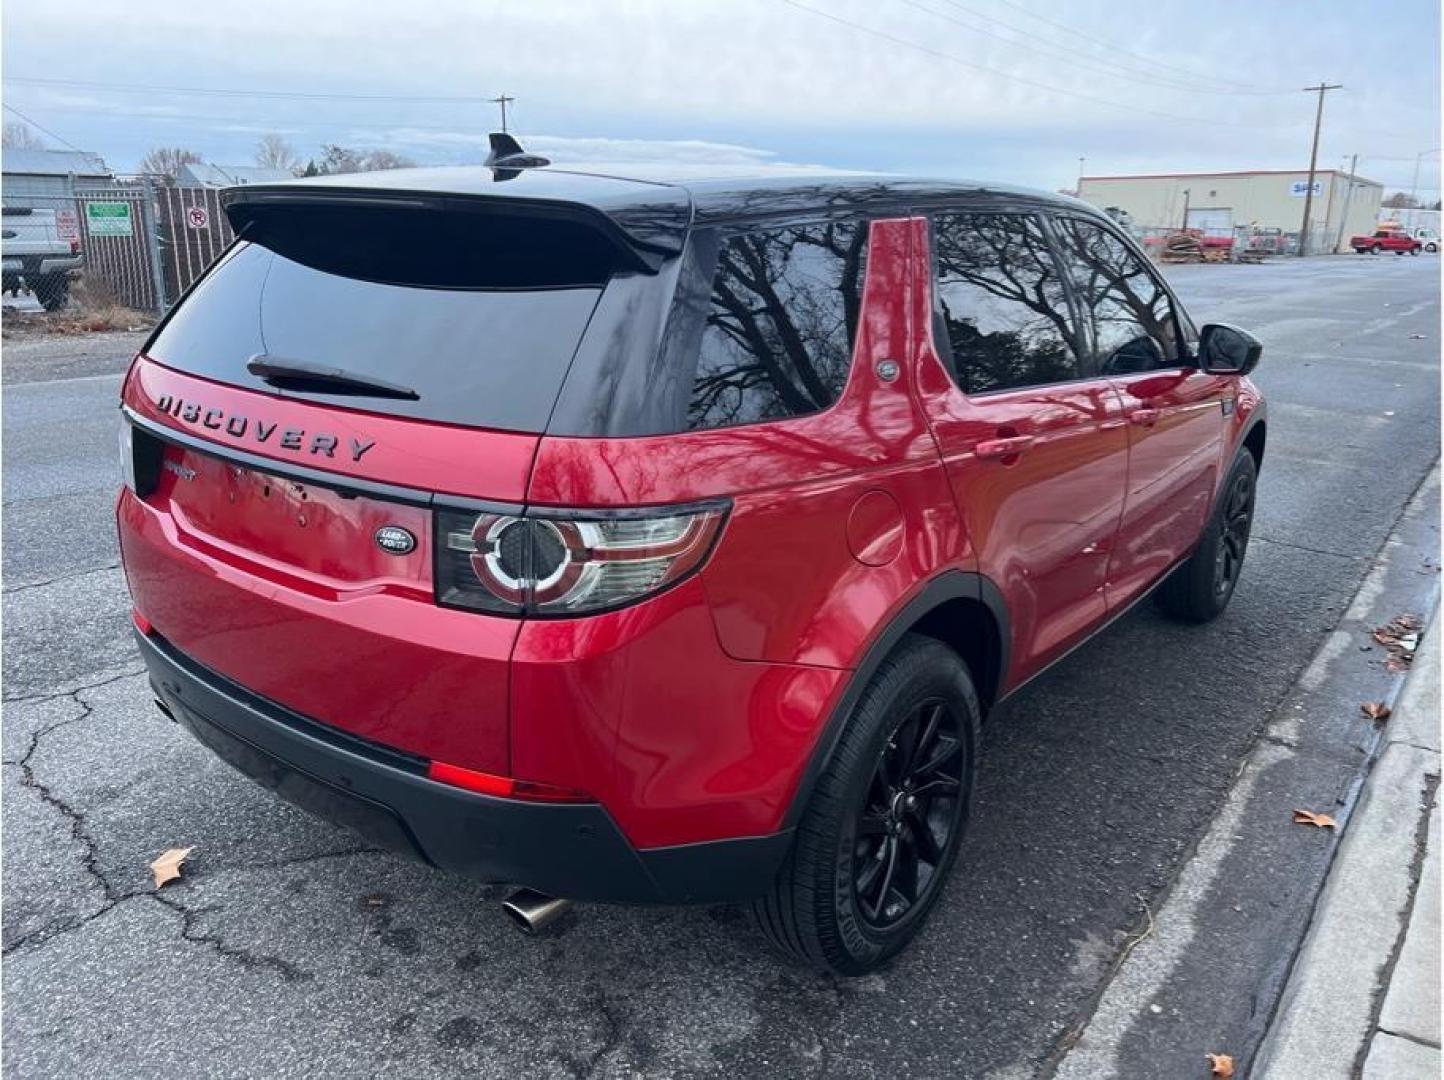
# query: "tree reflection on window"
778,336
1132,317
1002,303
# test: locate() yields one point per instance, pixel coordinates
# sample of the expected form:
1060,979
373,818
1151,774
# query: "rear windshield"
476,315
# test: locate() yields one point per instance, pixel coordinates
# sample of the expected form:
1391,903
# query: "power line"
40,127
300,95
282,126
1015,78
1069,29
1107,67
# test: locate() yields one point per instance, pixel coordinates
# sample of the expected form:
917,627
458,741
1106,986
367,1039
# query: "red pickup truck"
1393,240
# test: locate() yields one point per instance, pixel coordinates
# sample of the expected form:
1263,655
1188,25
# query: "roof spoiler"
507,158
253,206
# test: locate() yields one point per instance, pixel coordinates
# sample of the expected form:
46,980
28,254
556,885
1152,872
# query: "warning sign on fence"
197,217
109,219
67,224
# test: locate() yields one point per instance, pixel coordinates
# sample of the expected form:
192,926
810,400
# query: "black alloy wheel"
1234,525
1202,585
908,818
886,818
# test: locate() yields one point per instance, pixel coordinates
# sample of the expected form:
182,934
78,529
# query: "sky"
1005,90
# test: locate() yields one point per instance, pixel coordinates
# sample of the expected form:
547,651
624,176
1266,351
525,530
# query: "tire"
840,901
1413,251
1431,247
1377,248
53,291
1199,589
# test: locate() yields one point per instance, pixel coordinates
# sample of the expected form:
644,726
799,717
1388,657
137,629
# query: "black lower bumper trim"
573,850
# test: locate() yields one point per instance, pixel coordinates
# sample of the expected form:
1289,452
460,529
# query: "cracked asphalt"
290,949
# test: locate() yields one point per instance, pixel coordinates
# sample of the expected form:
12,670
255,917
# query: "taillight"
568,563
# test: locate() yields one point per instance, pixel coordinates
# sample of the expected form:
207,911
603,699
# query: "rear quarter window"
774,334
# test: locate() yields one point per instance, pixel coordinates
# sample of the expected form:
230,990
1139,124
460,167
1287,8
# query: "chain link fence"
139,242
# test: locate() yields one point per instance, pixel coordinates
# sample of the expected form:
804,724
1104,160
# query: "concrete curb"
1372,950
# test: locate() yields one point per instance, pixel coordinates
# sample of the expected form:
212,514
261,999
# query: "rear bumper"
41,264
561,849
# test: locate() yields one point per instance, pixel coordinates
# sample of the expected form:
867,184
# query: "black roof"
652,207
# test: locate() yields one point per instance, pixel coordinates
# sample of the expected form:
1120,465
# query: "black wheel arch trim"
1257,415
948,586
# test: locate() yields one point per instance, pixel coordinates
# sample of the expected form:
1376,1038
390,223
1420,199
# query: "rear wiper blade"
300,375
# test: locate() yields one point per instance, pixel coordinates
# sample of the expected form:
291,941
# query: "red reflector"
505,786
141,622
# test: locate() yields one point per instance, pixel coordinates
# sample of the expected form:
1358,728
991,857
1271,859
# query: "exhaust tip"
532,912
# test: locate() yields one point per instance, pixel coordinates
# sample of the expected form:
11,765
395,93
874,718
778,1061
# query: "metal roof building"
1217,203
209,174
49,174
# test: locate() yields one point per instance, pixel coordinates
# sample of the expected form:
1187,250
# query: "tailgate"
271,573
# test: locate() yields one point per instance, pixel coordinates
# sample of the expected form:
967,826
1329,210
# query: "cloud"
912,85
584,148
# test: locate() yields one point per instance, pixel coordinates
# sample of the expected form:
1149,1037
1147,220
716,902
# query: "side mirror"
1227,350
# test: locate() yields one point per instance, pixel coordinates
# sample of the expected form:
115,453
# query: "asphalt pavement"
289,949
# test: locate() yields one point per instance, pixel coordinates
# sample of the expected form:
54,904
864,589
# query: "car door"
1176,413
1033,443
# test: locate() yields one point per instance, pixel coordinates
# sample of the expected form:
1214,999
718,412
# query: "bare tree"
386,159
344,159
274,152
1400,200
168,160
18,136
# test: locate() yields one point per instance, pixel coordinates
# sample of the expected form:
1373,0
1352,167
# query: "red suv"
664,541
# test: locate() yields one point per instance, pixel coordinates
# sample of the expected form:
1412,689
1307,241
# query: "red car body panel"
418,454
389,664
692,715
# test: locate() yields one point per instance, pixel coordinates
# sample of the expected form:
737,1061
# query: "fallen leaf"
1376,711
167,867
1308,817
1400,635
1221,1064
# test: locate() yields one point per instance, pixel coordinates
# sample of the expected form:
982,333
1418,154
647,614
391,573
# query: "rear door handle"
1144,417
999,448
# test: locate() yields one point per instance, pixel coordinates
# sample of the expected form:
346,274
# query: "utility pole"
1187,192
1082,159
1348,198
1322,89
502,100
1414,185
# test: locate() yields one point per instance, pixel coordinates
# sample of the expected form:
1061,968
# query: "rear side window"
780,322
478,314
1134,328
1001,303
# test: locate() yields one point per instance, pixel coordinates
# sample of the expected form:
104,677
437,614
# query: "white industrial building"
1222,203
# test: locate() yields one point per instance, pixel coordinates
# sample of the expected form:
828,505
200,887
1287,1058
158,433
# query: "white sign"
1299,188
109,219
197,217
67,224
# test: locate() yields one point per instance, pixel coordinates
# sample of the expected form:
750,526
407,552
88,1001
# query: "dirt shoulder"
34,355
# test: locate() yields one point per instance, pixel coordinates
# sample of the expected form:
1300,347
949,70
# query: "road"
289,949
